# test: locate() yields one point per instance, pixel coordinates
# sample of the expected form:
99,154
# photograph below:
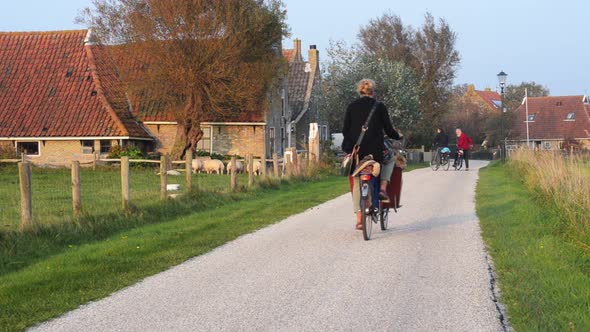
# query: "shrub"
129,151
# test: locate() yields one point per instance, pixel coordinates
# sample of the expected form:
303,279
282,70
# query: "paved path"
313,272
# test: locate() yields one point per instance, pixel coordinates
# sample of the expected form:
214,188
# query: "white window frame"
201,146
27,142
84,148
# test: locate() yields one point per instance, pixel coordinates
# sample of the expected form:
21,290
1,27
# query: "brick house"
304,80
552,121
62,99
55,104
487,100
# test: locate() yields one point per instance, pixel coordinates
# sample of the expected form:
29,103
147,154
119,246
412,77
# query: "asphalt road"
313,272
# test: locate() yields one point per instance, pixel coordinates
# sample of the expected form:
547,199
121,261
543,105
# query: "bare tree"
195,58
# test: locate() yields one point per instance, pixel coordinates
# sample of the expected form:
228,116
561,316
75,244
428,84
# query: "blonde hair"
366,87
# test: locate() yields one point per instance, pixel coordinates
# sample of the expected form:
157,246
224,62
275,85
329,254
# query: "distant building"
487,99
552,122
56,105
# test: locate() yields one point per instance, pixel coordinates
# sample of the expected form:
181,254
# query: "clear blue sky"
546,41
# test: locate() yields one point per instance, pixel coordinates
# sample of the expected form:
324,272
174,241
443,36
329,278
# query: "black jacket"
356,115
441,140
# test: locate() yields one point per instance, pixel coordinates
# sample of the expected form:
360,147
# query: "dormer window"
532,117
570,117
497,103
586,100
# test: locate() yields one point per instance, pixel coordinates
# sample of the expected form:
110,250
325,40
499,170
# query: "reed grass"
560,181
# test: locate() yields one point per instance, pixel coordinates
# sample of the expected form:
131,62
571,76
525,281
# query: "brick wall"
165,135
239,140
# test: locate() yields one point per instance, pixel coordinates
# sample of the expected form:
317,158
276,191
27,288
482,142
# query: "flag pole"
526,99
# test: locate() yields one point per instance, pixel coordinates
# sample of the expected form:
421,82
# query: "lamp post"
502,76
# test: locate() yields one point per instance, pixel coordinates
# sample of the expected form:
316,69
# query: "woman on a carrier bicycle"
372,145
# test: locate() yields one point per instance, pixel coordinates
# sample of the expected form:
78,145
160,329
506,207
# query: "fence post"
189,170
76,194
26,200
164,178
251,170
125,183
263,166
275,164
233,177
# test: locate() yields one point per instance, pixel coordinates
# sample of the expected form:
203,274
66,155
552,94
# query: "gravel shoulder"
314,272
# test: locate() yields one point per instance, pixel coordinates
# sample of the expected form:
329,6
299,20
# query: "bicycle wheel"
459,164
384,218
367,219
434,161
446,163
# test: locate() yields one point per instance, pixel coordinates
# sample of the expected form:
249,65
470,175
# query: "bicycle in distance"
441,158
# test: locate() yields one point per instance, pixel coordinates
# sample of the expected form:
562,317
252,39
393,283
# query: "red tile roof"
490,97
551,118
52,86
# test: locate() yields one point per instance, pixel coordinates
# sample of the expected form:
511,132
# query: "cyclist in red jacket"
465,144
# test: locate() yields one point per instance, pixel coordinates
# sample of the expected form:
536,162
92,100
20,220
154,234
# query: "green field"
544,274
101,192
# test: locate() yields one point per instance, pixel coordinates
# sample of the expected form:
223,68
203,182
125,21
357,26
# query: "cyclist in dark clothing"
441,140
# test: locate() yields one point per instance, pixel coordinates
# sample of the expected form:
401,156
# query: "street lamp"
502,76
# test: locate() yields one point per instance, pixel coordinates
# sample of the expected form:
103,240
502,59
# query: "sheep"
197,166
257,167
239,167
213,166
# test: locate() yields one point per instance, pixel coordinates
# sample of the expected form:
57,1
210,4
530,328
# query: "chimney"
314,57
298,57
89,40
488,89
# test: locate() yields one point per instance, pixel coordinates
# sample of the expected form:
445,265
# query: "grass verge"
544,276
67,275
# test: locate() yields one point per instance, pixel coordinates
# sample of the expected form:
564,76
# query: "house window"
304,139
205,142
105,146
532,117
547,145
28,148
571,117
271,133
283,134
497,103
87,147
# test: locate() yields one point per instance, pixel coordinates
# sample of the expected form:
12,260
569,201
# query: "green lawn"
544,277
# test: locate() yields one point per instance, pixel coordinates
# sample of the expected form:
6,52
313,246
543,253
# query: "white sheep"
239,167
213,166
197,165
257,167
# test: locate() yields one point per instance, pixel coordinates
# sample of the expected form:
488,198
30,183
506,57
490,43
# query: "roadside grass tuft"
543,275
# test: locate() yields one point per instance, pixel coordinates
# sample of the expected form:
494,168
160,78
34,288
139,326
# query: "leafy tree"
430,51
514,94
194,57
397,85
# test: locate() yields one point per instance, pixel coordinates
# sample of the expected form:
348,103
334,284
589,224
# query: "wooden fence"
280,168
